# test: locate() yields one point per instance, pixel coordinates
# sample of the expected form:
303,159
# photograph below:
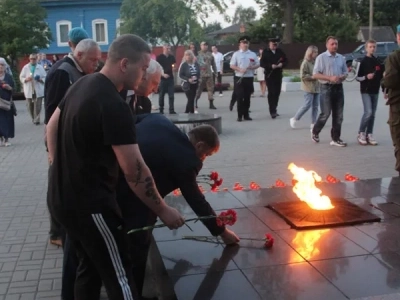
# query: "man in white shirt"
219,62
244,62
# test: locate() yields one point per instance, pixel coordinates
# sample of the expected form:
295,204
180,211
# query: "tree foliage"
244,14
308,20
172,21
23,28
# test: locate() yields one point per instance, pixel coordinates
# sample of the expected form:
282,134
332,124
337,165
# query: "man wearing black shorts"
89,135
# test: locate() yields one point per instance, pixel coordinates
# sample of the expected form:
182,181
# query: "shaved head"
127,61
129,46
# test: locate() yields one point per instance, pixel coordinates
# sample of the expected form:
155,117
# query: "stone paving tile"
260,150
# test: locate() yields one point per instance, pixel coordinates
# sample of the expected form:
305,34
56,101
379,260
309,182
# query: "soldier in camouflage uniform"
207,66
391,82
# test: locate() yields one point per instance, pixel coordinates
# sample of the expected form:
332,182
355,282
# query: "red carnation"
269,241
218,182
281,59
214,175
251,60
377,68
228,217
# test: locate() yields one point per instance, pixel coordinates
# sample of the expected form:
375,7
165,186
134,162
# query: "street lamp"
274,28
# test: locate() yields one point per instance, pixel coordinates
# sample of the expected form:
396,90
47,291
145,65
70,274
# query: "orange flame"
305,242
306,190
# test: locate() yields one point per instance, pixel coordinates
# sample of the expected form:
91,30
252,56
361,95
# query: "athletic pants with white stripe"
101,245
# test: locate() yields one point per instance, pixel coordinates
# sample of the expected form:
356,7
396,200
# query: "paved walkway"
260,150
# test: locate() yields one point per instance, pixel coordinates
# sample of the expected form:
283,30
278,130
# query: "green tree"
170,21
23,29
310,20
211,27
244,15
386,12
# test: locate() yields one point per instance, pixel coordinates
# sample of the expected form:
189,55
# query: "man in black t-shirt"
90,135
167,84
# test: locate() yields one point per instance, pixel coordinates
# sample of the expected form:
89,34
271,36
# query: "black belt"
333,84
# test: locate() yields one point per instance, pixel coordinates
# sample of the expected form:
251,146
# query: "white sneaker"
7,144
338,143
371,140
196,112
362,140
292,122
221,95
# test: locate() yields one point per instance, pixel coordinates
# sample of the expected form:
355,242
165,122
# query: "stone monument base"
186,122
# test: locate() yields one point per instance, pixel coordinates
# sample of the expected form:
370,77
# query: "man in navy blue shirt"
175,166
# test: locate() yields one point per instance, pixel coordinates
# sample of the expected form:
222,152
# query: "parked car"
227,62
383,49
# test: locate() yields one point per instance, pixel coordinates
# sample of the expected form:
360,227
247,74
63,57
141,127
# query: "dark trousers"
243,90
394,125
191,95
274,85
56,231
219,82
70,267
331,101
102,248
166,86
233,99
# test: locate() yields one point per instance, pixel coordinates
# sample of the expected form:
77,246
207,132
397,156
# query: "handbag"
14,109
5,105
185,86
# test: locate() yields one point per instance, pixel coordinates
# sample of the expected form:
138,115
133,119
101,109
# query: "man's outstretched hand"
229,237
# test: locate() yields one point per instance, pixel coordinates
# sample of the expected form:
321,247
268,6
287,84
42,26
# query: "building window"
100,31
118,27
63,27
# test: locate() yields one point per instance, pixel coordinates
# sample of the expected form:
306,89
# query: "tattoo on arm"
151,190
139,170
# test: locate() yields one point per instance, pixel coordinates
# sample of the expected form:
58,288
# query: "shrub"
296,79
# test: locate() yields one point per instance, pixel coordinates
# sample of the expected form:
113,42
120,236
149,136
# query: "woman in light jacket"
310,86
32,77
189,72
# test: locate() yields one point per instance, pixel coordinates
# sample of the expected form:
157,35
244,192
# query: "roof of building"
379,33
235,28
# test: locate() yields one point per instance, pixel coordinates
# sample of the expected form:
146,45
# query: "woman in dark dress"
7,128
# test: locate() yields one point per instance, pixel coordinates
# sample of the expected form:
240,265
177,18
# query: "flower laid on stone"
254,186
268,239
349,177
279,183
228,217
238,187
212,179
331,179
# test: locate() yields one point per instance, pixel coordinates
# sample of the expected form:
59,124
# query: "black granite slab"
345,262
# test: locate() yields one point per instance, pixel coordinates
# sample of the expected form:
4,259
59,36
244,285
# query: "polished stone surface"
349,262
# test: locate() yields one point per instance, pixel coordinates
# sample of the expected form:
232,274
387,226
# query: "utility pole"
371,17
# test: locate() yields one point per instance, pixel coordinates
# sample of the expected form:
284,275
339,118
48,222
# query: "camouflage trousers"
206,82
394,124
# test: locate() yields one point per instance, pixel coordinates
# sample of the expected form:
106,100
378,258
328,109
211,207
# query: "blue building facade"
100,18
